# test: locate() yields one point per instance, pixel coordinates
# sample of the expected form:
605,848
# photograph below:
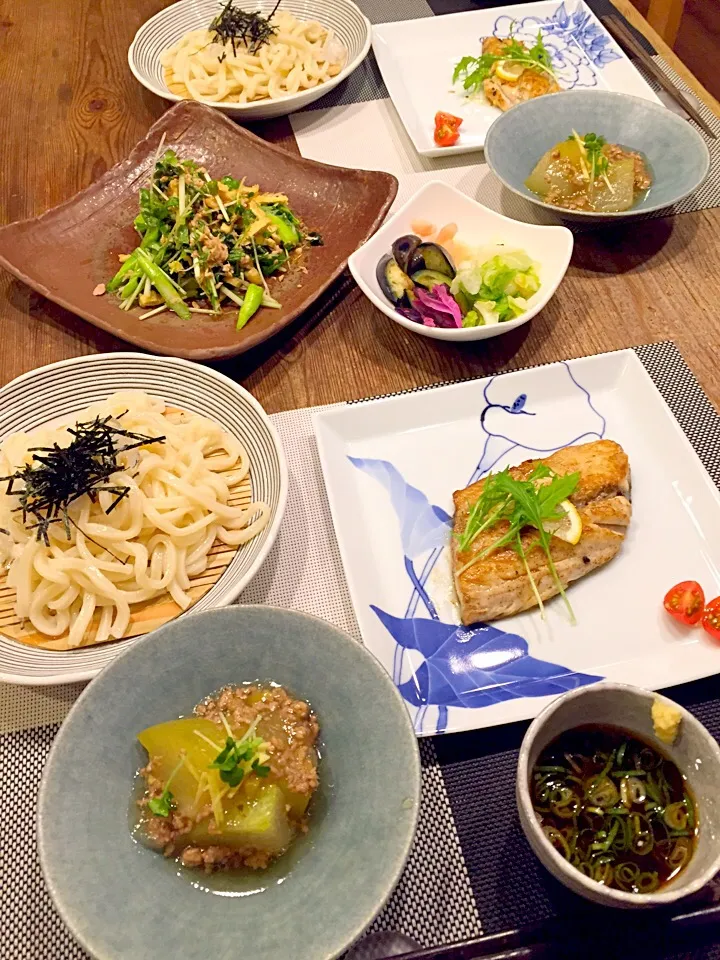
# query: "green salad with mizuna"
207,244
489,285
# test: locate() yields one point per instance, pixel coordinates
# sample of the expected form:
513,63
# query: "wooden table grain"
70,108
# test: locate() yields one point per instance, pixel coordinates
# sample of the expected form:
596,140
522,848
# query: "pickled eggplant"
394,282
230,786
490,284
403,249
431,256
430,278
586,173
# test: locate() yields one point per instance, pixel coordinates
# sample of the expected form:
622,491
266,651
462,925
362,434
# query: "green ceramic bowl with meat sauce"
123,900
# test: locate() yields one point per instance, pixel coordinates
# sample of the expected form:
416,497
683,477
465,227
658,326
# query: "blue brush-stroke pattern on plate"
423,526
577,44
471,667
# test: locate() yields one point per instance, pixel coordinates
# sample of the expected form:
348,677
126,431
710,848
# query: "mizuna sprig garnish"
518,505
58,476
492,506
475,70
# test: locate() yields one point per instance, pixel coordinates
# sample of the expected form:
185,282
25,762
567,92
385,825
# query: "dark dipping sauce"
616,808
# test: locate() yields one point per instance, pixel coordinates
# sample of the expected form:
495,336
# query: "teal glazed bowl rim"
122,900
493,150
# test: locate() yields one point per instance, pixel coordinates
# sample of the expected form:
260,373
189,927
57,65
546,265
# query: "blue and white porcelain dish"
677,155
390,468
417,58
123,901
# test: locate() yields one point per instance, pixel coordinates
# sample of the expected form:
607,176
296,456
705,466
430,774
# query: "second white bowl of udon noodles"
350,29
52,394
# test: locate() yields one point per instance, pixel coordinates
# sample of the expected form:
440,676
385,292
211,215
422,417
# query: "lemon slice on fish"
570,527
509,70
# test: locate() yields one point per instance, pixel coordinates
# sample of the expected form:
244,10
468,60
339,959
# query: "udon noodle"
80,588
301,54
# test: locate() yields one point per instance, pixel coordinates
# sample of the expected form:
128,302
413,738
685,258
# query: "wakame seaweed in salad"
206,244
489,286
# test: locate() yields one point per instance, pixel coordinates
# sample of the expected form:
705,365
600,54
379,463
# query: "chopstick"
551,939
627,41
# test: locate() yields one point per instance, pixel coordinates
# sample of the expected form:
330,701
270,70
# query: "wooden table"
70,108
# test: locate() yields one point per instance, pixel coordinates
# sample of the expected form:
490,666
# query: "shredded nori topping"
57,476
240,27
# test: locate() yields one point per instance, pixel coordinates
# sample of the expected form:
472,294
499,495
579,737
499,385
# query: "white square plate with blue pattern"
391,466
417,59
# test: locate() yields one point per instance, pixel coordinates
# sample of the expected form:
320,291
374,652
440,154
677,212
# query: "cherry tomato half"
686,601
711,619
446,129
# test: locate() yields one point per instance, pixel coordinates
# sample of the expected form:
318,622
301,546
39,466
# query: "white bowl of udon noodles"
201,511
317,44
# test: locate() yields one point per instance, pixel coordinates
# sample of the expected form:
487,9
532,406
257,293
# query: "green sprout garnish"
162,805
521,504
594,162
475,70
240,757
594,150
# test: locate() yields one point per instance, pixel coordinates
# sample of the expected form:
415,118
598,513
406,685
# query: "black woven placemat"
511,888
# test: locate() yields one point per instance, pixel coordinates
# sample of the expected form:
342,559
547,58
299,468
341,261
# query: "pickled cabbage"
495,289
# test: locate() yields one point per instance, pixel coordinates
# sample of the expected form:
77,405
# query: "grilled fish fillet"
498,586
504,94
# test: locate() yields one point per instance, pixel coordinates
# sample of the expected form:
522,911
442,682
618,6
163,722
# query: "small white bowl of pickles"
446,267
617,795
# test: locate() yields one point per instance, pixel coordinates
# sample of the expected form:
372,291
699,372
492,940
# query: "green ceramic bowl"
678,156
122,900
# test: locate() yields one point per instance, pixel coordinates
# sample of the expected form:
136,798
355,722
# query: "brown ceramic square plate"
67,251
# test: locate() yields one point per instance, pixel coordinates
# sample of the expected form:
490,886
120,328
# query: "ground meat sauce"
293,757
289,730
